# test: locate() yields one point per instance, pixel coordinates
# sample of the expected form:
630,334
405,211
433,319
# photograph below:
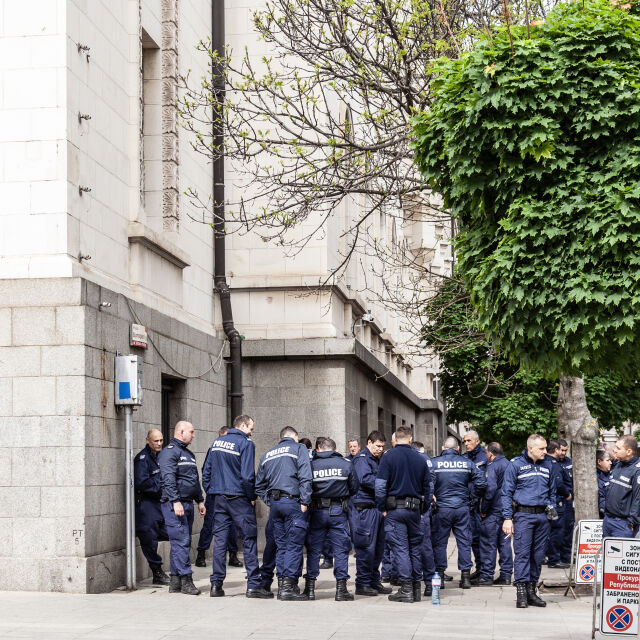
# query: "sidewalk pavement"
151,613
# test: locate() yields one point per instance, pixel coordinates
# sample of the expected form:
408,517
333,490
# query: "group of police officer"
401,501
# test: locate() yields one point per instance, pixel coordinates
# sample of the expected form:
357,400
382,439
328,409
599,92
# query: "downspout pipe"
219,229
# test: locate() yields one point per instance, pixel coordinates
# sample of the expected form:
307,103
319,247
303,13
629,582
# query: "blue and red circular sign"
619,618
587,572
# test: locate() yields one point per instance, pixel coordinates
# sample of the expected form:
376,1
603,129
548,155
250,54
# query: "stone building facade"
96,234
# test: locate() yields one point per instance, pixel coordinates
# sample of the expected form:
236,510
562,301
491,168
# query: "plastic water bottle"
436,583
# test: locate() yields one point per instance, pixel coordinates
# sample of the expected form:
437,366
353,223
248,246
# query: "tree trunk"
576,425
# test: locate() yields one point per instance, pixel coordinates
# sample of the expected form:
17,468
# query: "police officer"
603,473
428,561
622,503
557,532
528,504
476,453
455,478
365,521
402,487
206,533
354,448
569,512
333,482
491,536
229,476
180,487
284,483
149,521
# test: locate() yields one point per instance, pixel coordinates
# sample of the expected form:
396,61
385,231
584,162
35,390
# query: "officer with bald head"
149,520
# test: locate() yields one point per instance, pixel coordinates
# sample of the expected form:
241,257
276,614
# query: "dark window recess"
381,420
364,421
393,423
173,399
404,422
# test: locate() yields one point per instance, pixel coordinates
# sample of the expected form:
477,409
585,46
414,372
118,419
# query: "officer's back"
403,473
333,475
454,477
491,502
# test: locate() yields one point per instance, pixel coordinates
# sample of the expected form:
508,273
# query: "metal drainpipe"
219,230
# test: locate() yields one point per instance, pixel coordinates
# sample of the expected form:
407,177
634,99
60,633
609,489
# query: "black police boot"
366,591
381,589
481,582
521,595
445,578
394,582
287,592
404,593
200,560
532,596
342,593
266,586
465,579
502,582
188,587
327,563
233,560
428,590
159,576
417,591
175,584
216,591
475,575
260,592
310,588
386,579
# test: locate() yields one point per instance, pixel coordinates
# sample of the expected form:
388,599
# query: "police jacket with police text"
603,485
527,483
146,475
403,473
286,468
230,466
492,500
365,465
623,494
179,473
455,478
333,475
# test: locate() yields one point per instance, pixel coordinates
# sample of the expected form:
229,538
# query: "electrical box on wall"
128,380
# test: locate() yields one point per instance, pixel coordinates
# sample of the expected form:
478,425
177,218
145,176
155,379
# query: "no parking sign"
589,541
620,580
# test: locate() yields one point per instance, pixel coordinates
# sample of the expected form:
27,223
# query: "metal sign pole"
574,552
130,519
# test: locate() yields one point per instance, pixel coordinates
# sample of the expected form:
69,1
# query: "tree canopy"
533,139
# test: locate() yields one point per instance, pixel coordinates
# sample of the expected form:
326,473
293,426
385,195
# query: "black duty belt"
399,502
327,503
364,505
276,494
524,509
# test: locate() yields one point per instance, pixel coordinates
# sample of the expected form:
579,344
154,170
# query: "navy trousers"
388,568
403,530
530,537
428,561
328,524
290,526
206,533
491,540
269,554
179,533
475,520
238,511
613,527
556,537
569,522
150,529
449,519
367,533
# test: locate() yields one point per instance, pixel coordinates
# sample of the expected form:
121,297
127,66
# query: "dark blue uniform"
479,457
622,504
366,522
180,483
333,482
150,526
603,485
284,483
428,559
269,554
454,479
556,544
569,511
532,487
402,484
491,537
229,475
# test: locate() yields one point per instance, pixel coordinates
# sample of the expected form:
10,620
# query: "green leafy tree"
532,139
503,401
